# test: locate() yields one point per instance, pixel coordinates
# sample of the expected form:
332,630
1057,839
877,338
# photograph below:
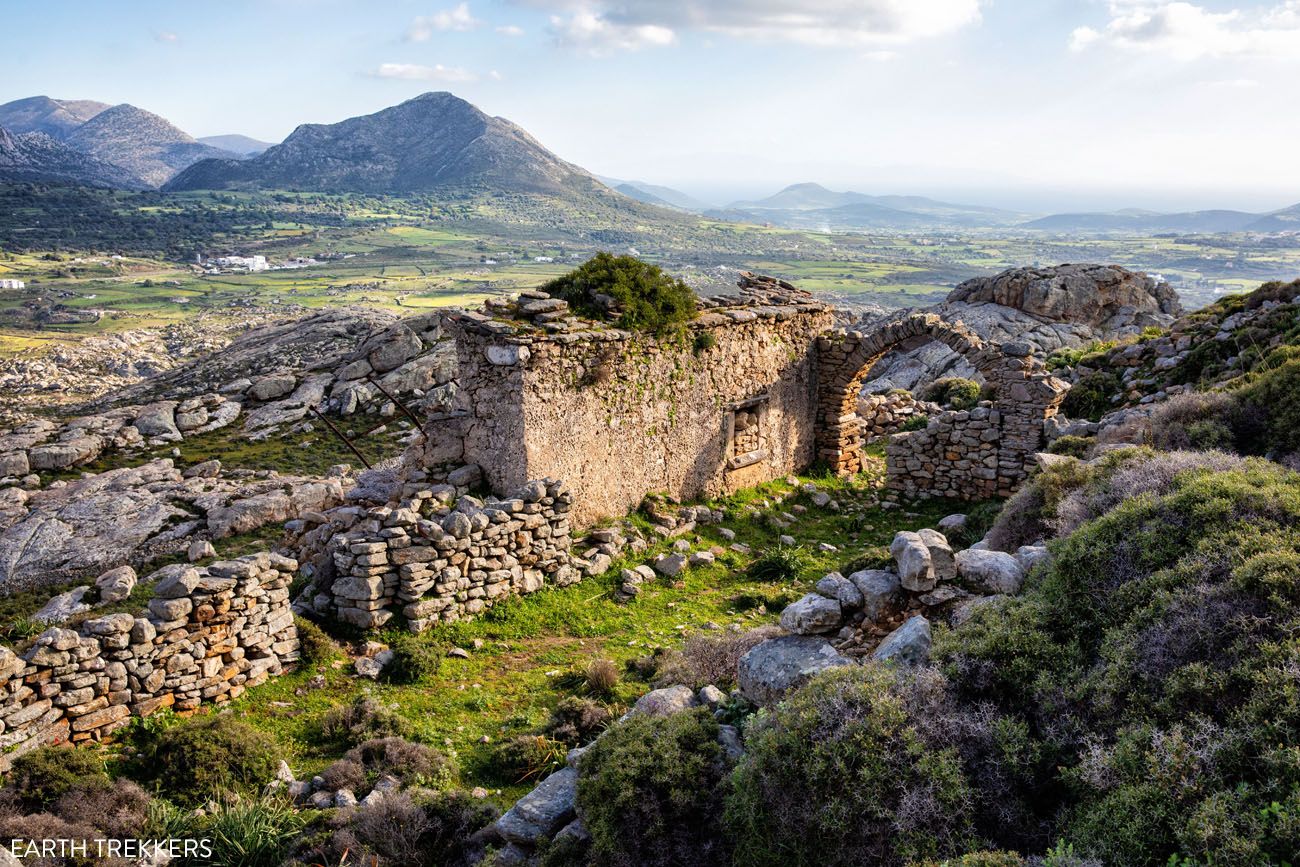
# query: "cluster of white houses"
7,283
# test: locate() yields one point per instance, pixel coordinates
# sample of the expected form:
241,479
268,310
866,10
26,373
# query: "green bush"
915,422
363,720
210,755
316,646
1275,394
1149,658
414,659
44,775
409,762
527,757
576,720
403,830
247,832
650,792
1093,395
646,297
782,563
704,341
953,391
837,774
1072,446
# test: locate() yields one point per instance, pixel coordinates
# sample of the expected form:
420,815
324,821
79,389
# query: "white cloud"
166,36
511,30
457,19
590,32
629,24
1185,31
417,72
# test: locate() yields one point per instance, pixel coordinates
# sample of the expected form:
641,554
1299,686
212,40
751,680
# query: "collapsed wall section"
209,634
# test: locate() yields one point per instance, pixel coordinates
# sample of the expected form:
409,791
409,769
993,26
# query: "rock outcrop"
1046,308
82,528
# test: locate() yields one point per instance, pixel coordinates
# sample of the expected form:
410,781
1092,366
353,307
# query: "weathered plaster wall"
618,415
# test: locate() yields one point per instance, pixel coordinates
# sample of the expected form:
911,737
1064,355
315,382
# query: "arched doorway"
969,454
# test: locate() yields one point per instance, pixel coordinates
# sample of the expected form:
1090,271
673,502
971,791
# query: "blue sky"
1065,103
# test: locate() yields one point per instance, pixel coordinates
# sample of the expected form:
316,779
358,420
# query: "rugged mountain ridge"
54,117
35,157
141,142
434,141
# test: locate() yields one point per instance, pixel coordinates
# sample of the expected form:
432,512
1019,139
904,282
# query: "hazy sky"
1069,102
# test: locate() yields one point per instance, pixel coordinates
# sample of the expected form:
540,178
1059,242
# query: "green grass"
534,647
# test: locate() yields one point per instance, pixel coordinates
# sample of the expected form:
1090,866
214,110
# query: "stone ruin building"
762,386
567,423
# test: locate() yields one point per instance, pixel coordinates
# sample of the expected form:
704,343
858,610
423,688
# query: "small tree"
642,295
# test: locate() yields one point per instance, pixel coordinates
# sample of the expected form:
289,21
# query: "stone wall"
438,554
970,454
617,415
884,414
209,634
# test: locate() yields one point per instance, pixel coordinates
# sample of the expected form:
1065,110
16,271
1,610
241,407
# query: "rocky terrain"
90,143
75,529
35,157
1047,308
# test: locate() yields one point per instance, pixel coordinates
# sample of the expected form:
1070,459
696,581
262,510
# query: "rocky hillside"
1048,308
36,157
143,143
54,117
433,141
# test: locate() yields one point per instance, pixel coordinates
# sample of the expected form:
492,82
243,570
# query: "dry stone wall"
439,554
969,454
209,634
618,415
884,414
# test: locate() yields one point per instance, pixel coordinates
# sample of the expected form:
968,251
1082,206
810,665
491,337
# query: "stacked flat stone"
441,555
209,634
970,454
885,414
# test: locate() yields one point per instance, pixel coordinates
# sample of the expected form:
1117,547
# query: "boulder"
769,670
665,702
398,345
537,816
990,571
880,591
272,387
909,644
915,568
941,555
811,615
1029,556
116,584
64,606
836,586
952,524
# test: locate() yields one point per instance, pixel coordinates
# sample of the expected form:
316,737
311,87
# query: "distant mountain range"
236,144
146,147
1193,222
812,206
656,194
438,142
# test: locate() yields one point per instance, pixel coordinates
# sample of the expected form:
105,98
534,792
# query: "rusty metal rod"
338,433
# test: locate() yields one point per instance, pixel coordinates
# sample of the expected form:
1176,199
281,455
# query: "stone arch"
968,454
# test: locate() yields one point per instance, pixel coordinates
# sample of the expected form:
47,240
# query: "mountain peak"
54,117
434,140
